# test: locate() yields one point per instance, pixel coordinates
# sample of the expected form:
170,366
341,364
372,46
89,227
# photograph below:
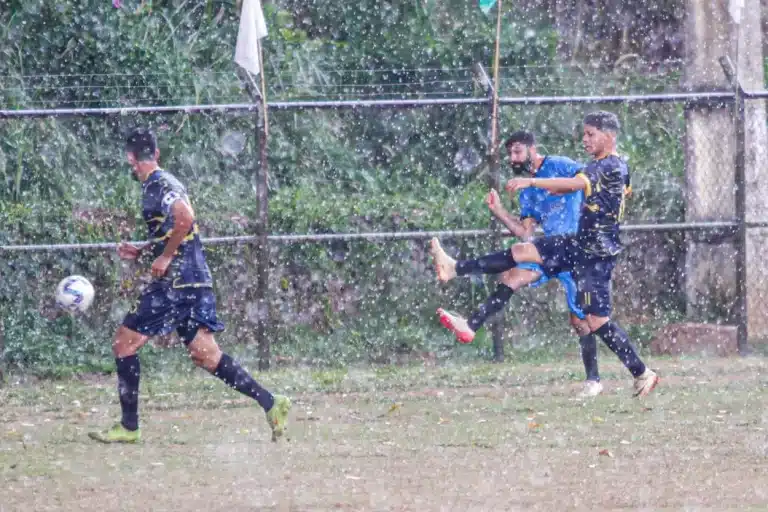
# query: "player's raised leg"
511,280
448,268
205,353
126,344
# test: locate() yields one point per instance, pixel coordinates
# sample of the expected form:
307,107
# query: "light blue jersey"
556,214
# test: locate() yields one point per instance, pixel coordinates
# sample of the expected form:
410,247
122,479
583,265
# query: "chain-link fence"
349,278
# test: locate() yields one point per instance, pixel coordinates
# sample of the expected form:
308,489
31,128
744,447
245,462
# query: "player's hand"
128,251
516,184
494,201
160,266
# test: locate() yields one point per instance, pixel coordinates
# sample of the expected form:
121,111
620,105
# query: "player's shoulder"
563,161
610,164
562,166
167,181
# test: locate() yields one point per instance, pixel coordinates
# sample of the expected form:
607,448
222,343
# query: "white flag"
252,28
734,8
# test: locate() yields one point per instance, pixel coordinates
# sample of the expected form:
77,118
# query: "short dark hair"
142,143
521,137
603,121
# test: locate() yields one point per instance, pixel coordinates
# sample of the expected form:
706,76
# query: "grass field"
476,437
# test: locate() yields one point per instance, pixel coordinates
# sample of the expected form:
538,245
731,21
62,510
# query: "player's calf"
205,352
618,341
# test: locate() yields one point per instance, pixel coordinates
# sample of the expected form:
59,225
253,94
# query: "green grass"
471,436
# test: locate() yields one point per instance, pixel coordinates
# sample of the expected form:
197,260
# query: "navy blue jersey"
607,182
188,267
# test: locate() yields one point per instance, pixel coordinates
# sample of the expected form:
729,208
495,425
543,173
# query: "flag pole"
262,245
263,89
495,108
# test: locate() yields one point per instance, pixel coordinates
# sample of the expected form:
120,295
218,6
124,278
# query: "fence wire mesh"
401,171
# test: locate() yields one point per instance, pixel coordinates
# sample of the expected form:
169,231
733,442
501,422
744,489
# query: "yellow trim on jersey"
187,238
177,286
588,189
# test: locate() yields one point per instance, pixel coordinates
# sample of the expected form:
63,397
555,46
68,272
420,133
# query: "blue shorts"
565,278
592,273
160,310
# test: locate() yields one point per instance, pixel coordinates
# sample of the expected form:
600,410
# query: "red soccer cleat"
457,325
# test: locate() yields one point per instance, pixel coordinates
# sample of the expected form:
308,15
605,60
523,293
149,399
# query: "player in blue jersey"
590,254
180,297
557,215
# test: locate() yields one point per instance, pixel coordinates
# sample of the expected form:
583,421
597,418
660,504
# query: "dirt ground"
486,438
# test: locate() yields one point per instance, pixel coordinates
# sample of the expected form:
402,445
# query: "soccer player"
557,215
590,254
179,297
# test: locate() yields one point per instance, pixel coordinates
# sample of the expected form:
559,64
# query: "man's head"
141,151
521,150
600,131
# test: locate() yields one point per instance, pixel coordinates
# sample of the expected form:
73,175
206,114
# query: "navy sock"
128,374
618,341
493,263
491,306
237,377
589,356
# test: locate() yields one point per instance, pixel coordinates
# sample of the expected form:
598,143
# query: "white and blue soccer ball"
75,294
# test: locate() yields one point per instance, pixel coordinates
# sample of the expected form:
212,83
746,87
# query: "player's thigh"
156,313
594,282
526,253
556,253
127,342
204,351
521,275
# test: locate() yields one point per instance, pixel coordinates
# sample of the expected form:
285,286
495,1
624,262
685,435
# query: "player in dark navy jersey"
590,254
180,297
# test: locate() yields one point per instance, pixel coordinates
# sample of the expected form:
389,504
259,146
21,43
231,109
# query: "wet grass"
455,437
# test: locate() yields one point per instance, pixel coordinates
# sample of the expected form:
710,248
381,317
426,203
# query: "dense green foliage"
362,170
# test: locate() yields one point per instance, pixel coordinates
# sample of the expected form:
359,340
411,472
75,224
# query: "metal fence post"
262,243
739,122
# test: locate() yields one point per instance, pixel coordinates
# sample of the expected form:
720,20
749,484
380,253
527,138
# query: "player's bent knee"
516,278
596,322
204,351
127,342
581,327
526,253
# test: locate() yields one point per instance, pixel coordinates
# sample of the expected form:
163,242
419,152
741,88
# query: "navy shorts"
591,273
161,310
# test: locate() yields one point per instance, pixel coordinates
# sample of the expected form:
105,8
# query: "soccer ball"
75,294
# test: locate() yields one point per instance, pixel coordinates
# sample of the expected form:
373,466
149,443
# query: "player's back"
189,267
604,200
556,214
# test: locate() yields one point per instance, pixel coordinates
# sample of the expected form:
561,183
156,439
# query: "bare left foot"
445,266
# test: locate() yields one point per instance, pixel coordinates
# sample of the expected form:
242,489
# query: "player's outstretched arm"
551,185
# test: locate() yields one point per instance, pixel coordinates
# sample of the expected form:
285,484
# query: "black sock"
493,263
491,306
589,356
618,341
128,374
237,377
